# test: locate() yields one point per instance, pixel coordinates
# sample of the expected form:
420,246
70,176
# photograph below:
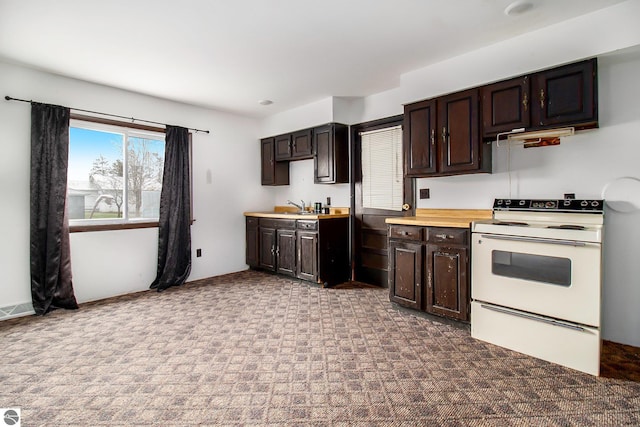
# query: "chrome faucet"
302,207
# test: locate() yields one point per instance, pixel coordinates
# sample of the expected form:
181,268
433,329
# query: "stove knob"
584,203
549,205
566,202
508,202
521,202
499,202
595,203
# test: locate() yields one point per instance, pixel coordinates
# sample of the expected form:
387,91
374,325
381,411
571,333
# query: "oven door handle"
534,240
535,318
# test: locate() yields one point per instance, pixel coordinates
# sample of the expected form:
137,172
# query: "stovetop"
549,205
576,220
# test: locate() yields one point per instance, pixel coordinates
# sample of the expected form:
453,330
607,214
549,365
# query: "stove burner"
568,227
512,223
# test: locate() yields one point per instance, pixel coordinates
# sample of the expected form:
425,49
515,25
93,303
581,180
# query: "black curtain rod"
133,119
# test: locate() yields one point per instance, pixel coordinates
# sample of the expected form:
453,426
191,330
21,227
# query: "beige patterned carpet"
255,349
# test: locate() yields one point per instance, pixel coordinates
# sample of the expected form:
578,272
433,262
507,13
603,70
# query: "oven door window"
537,268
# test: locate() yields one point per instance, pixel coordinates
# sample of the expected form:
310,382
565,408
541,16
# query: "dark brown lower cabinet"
253,242
447,289
405,272
428,269
267,248
277,245
286,252
312,250
308,255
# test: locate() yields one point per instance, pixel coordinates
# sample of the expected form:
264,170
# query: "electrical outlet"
424,193
569,196
198,252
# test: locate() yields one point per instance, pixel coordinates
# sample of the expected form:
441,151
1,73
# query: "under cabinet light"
541,134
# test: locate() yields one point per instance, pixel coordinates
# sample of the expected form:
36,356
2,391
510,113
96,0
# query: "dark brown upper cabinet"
328,145
419,138
302,144
459,124
562,96
294,146
565,96
283,147
331,158
442,136
506,106
273,172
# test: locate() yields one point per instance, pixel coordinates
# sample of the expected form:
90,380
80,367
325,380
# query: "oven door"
555,278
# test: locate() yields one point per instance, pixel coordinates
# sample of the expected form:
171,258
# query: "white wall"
301,172
226,182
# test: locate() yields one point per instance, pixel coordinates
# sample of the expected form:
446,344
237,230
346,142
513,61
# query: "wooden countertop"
286,212
457,218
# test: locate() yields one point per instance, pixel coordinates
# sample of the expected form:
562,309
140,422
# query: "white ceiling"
229,54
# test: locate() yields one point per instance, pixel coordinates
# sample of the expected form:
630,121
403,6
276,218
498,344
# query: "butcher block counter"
290,212
456,218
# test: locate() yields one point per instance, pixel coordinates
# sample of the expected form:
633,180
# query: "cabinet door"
302,144
286,252
331,154
307,255
565,95
505,106
273,173
447,285
405,274
324,165
253,243
458,125
267,248
419,138
283,147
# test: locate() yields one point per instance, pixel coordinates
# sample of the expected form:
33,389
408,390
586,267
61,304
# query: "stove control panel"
540,205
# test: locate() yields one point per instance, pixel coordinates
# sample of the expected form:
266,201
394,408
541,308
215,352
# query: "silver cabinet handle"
444,236
533,240
532,317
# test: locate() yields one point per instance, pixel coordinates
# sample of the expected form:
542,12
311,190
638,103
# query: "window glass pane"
145,161
538,268
94,180
382,182
104,184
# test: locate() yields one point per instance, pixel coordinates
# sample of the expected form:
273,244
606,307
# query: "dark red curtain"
51,284
174,231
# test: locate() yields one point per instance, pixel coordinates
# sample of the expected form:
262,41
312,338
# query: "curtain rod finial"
8,98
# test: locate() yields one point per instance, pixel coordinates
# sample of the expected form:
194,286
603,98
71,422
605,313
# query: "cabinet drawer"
278,223
307,225
405,232
453,236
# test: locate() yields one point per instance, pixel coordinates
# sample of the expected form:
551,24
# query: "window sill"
109,227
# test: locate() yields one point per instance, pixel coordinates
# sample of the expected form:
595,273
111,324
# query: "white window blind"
382,169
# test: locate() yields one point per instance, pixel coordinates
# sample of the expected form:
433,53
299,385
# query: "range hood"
538,138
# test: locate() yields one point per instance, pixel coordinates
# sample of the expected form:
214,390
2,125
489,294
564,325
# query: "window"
114,174
382,182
